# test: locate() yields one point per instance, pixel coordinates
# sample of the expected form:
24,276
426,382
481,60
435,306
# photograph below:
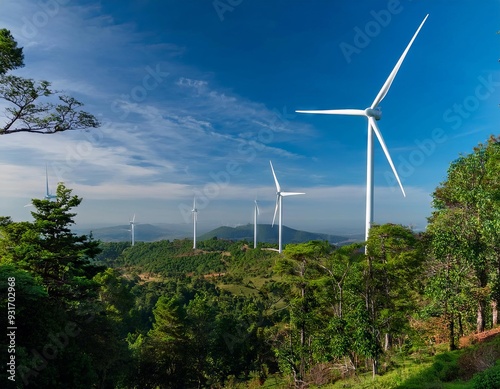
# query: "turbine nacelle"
375,113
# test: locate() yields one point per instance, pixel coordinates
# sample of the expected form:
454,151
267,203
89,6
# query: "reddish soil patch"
481,337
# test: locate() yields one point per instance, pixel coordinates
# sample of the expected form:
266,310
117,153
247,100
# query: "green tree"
344,336
29,107
11,56
391,278
471,197
76,340
300,267
163,359
343,275
49,249
449,285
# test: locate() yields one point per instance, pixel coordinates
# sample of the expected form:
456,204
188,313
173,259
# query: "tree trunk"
481,315
387,341
451,327
494,312
374,367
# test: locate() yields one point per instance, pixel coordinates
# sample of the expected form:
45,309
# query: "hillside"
233,271
268,234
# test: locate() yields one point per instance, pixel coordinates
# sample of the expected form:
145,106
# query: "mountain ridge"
269,234
156,232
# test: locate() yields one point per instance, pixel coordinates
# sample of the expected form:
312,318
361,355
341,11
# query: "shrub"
488,379
445,366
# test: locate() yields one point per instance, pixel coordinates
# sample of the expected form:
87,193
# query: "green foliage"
488,379
60,259
172,258
394,259
76,339
11,56
463,237
445,366
111,252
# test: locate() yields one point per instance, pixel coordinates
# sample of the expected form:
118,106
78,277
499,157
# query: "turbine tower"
255,214
195,219
132,229
279,204
373,114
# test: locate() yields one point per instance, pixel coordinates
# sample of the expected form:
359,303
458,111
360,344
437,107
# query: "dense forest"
87,314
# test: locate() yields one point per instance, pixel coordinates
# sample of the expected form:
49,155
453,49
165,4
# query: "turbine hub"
375,113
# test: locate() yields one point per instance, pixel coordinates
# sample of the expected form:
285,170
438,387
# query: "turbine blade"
284,194
276,208
133,219
257,207
278,188
390,79
356,112
373,124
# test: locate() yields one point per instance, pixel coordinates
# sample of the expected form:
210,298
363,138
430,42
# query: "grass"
238,289
444,370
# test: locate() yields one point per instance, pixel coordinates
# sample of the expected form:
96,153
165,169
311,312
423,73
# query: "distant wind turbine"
132,229
195,219
48,195
255,214
279,204
373,114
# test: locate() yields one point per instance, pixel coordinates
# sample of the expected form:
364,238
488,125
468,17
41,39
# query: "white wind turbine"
279,204
48,195
132,229
373,114
195,219
255,214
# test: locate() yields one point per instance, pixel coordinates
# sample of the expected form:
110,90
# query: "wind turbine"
132,229
255,214
195,219
279,204
373,114
48,195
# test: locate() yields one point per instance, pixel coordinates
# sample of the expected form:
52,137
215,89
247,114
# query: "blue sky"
196,97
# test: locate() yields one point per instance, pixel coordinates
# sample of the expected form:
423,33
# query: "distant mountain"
156,232
143,232
267,233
